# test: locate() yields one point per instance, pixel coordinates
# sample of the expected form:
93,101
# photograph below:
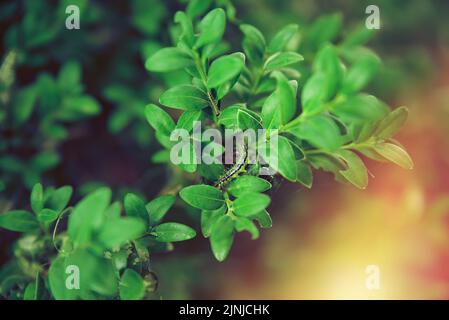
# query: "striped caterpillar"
235,169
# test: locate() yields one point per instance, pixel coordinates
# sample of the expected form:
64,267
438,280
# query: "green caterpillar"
237,168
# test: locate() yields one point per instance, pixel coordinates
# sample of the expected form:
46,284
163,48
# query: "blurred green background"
81,123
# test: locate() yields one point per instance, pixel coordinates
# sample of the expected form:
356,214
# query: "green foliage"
311,92
105,246
324,121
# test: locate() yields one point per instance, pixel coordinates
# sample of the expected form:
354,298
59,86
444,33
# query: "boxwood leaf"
327,63
208,218
224,69
249,204
19,220
248,184
187,119
263,218
221,237
172,232
280,106
37,198
135,207
320,131
158,207
282,59
87,216
395,154
211,27
283,160
357,174
361,73
132,286
391,123
168,59
304,174
248,120
244,224
47,215
202,196
116,232
281,39
184,97
159,119
59,198
253,43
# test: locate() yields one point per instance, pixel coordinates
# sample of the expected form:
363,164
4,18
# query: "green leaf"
224,69
23,104
320,131
395,154
244,224
57,280
18,220
249,204
282,59
360,108
172,232
357,37
132,286
222,236
391,123
280,106
187,34
69,76
283,160
211,171
47,215
77,107
282,38
29,293
197,7
248,120
162,156
185,97
187,119
208,218
116,232
228,116
60,198
168,59
315,93
202,197
135,207
212,28
263,218
304,174
190,165
159,119
361,73
97,276
357,174
253,43
324,29
158,207
248,184
87,216
327,63
37,198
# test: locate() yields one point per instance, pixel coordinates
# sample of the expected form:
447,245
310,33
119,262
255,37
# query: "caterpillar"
235,169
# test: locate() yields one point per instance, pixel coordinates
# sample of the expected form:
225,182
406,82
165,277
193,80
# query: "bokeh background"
322,239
